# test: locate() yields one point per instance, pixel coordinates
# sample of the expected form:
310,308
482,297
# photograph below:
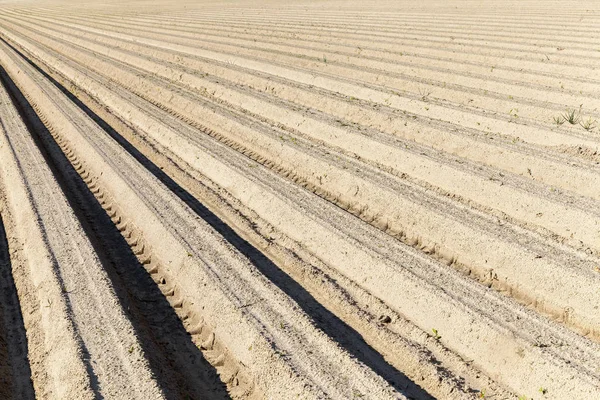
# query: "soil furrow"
103,346
15,374
483,274
282,337
485,74
174,358
480,100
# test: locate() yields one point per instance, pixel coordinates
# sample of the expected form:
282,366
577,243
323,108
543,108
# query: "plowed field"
313,199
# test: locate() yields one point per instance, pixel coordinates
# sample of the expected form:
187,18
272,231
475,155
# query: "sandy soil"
316,200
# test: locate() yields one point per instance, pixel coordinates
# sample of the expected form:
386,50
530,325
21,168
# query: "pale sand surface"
313,199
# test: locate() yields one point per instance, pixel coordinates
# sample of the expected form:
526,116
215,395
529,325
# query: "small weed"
571,116
130,350
589,124
482,394
523,398
324,59
424,94
513,112
436,335
543,390
559,120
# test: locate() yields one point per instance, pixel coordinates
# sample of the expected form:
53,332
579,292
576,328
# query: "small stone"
385,319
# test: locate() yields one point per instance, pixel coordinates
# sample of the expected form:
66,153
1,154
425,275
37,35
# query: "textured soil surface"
313,199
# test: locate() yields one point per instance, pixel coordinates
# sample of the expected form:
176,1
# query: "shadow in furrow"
324,319
26,112
15,374
177,363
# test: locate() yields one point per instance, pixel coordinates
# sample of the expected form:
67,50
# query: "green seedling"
424,94
543,390
482,394
436,335
589,124
559,120
571,116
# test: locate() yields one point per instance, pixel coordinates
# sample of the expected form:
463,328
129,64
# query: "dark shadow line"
26,112
17,345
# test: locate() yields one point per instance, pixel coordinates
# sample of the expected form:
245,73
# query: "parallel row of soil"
320,200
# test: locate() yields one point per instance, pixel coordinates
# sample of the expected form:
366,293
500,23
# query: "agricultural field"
299,199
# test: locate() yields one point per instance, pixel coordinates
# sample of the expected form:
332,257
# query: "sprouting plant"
523,398
589,124
571,116
513,112
324,58
436,335
482,394
424,94
559,120
543,390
